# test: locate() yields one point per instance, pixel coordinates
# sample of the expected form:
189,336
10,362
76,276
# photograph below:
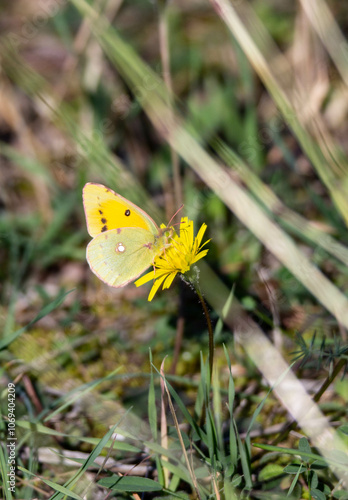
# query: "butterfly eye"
127,212
120,248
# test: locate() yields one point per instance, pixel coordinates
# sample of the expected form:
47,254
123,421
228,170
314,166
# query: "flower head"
183,251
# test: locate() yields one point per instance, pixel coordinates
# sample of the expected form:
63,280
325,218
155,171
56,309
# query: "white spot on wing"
120,248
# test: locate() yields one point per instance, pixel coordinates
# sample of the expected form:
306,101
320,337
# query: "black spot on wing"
103,220
104,228
101,212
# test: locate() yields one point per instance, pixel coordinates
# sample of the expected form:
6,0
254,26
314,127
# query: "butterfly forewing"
106,210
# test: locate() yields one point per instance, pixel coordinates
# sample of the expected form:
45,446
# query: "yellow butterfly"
126,239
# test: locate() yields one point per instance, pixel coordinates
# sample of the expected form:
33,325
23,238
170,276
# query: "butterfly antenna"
178,210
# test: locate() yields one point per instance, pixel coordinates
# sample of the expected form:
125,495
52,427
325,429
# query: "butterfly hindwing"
120,255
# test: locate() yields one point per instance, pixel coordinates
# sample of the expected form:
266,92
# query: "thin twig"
176,423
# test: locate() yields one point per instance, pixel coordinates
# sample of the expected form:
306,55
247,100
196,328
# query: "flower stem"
210,330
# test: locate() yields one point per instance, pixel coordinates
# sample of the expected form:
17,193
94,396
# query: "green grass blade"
129,484
320,154
341,462
152,410
231,395
93,455
61,490
5,342
245,461
4,468
299,225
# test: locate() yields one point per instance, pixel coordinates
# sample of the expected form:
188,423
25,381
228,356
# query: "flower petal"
200,234
155,287
169,280
183,250
144,279
200,255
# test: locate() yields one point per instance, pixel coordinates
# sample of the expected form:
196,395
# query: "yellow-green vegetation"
230,384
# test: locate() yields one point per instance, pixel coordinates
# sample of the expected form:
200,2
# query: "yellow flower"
183,252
